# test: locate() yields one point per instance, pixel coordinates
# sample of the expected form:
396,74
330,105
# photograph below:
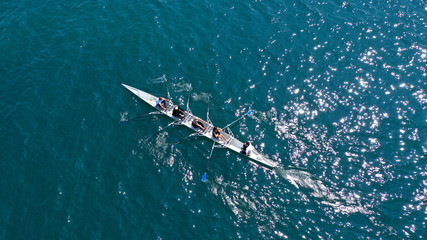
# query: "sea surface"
338,90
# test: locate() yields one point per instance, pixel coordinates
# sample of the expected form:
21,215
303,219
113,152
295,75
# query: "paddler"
216,133
162,103
198,124
178,112
247,149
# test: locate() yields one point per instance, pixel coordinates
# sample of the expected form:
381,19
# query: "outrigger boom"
231,142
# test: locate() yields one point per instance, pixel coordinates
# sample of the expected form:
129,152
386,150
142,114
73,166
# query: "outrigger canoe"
230,141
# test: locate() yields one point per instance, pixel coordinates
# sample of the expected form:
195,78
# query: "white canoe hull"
231,143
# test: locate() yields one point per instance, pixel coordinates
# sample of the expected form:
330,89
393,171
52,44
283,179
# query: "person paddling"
198,124
178,112
216,133
162,103
247,149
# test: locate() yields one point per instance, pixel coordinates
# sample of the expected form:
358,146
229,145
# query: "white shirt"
249,150
158,102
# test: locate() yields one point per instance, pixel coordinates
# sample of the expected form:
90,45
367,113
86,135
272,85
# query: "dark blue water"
339,94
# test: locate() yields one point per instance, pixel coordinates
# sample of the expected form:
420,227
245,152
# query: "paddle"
209,159
213,146
188,100
182,139
248,113
124,121
166,81
207,114
162,129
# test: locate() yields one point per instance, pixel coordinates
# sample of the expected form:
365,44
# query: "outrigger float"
230,141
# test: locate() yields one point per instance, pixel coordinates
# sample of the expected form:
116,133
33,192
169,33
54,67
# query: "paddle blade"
204,177
250,112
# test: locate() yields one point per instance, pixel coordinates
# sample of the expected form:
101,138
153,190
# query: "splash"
201,97
157,147
182,87
161,79
241,203
124,116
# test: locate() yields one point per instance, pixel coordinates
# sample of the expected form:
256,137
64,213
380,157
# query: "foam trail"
340,203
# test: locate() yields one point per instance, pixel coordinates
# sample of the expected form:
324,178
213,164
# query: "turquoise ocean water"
339,94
